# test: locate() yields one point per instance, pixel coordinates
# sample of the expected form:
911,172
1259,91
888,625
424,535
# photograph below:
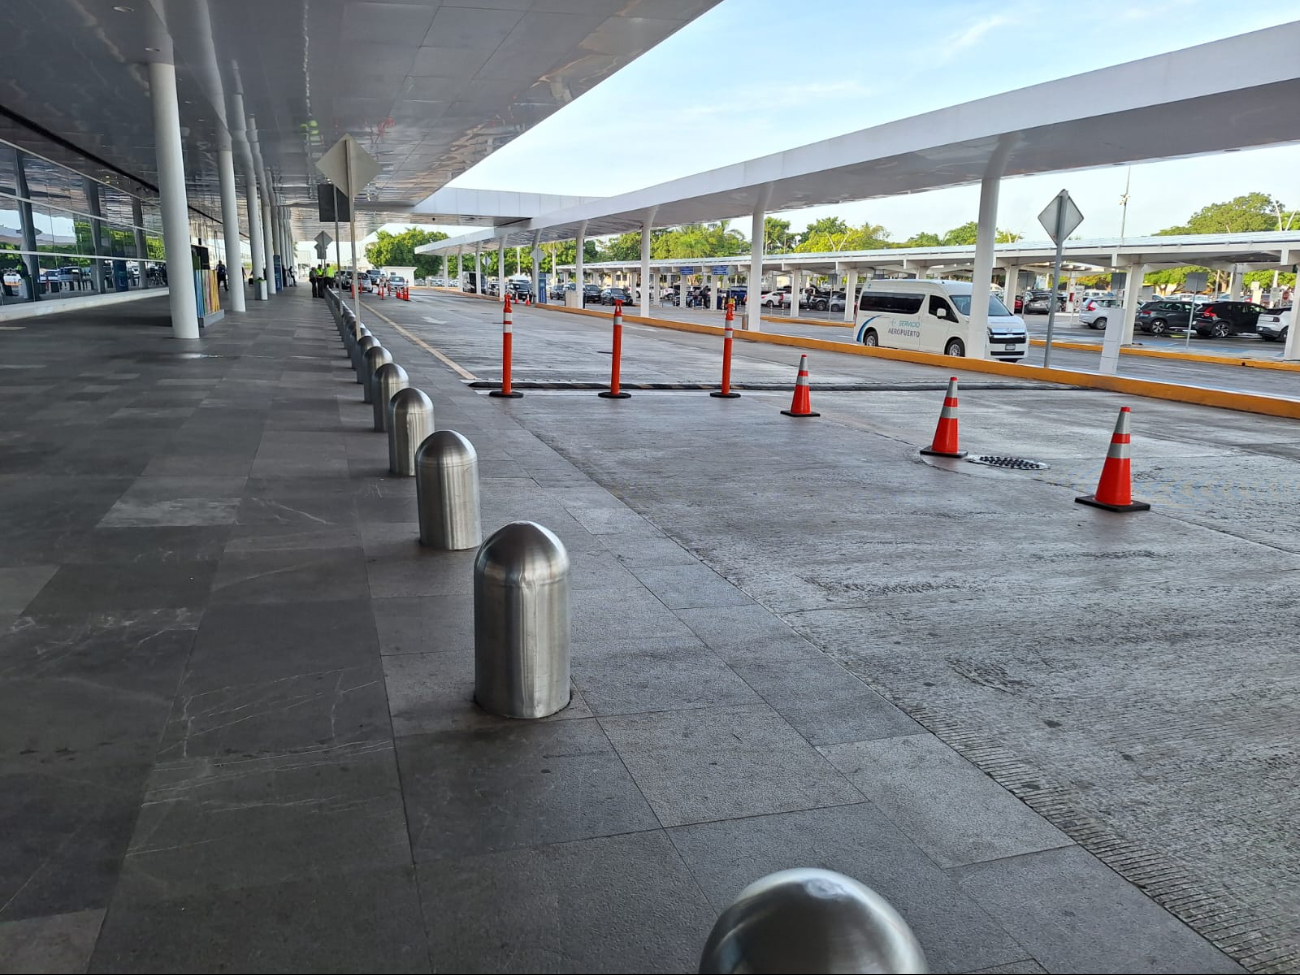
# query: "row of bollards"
803,920
521,574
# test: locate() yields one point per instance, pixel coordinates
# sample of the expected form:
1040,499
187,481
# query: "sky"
751,77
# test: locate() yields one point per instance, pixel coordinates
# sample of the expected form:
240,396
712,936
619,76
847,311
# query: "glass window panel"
154,245
120,240
8,169
11,224
152,217
116,205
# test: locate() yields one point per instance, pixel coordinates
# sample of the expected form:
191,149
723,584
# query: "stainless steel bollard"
371,360
521,622
409,421
446,491
358,352
810,920
388,379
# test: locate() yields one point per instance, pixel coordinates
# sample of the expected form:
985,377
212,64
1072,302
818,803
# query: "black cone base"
788,413
619,395
942,453
1092,502
513,394
719,394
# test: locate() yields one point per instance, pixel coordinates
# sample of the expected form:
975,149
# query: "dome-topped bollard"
373,358
446,491
409,422
388,379
521,622
366,341
810,920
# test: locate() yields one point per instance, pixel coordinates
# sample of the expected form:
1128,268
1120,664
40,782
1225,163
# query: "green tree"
963,236
1241,214
923,239
398,250
777,236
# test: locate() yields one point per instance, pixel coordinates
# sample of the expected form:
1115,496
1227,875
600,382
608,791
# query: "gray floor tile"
413,571
617,904
860,842
1026,966
602,616
690,586
430,692
65,833
949,808
18,587
164,544
291,575
111,587
519,784
59,943
745,632
219,823
702,765
425,624
364,922
640,548
1074,915
657,678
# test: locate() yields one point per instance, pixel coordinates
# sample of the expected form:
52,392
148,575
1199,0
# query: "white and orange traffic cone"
1115,489
507,352
945,434
801,404
728,337
616,367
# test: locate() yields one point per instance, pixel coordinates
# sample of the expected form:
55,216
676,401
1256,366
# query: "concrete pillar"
175,204
850,298
579,272
268,241
536,265
501,267
1120,333
141,245
230,229
1234,284
982,272
647,225
1071,294
256,252
754,319
1012,274
478,270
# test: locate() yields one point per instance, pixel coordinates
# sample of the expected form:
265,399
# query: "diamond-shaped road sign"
1061,218
323,241
349,166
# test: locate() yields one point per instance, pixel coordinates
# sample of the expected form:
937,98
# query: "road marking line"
434,321
455,366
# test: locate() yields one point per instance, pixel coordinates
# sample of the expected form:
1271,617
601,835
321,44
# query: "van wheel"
1099,323
955,347
871,338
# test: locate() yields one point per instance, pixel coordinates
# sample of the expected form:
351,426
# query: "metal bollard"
366,343
521,622
446,491
409,421
388,379
810,920
373,358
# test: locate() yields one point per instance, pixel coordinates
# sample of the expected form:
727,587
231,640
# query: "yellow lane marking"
455,366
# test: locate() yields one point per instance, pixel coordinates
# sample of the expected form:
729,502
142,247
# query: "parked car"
1039,302
396,281
611,295
818,300
1219,319
591,294
1274,323
1019,304
1158,317
669,295
776,299
1096,311
556,291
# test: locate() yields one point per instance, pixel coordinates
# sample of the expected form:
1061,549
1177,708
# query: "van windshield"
996,308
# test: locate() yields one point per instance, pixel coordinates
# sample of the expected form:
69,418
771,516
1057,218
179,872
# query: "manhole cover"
1013,463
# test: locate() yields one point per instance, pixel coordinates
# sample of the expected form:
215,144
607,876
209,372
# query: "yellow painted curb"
807,321
1222,399
1214,360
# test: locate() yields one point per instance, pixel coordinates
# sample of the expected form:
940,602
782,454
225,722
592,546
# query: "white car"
1274,324
396,281
775,299
1096,311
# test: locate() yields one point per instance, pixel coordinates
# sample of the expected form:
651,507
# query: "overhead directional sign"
721,269
1061,218
323,241
348,165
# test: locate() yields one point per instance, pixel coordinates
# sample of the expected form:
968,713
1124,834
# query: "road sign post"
322,245
348,165
1060,219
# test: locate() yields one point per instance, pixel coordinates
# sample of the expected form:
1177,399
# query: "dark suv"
1157,317
1219,319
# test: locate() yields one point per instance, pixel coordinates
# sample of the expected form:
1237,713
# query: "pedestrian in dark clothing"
221,276
315,283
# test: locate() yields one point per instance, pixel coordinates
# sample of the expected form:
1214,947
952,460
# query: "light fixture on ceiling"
123,8
152,50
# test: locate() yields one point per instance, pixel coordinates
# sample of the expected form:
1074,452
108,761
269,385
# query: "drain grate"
1012,463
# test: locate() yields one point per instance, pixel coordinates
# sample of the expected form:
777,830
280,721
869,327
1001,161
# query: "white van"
933,316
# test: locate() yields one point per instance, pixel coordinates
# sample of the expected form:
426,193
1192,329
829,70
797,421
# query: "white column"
268,241
230,229
1234,285
850,301
254,207
754,320
579,272
1071,296
175,205
1120,333
1012,274
501,267
982,273
536,265
646,226
478,270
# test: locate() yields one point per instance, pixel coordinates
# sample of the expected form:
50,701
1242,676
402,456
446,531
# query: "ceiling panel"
430,87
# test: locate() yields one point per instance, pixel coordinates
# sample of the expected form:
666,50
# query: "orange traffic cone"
1115,489
801,405
945,434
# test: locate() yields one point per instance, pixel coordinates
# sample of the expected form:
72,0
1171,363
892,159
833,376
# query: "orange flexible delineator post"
945,434
616,366
1115,489
507,350
801,404
727,339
